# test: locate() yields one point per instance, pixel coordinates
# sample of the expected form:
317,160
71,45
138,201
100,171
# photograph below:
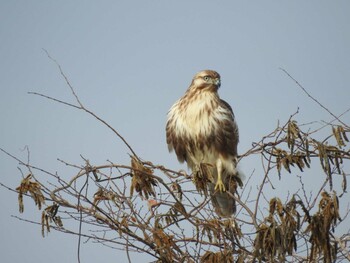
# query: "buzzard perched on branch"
202,130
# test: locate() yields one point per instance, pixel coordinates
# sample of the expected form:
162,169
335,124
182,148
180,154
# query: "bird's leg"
219,184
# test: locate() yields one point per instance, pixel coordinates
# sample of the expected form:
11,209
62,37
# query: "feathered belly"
202,150
202,132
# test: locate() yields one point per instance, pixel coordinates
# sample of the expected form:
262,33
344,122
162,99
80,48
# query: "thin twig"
310,96
81,106
65,77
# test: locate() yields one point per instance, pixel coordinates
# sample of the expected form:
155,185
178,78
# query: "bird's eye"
206,78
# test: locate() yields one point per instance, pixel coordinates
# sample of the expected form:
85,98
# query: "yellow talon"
220,186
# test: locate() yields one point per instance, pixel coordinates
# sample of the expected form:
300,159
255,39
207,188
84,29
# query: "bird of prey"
202,130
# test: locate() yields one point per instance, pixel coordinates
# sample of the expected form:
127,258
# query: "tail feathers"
223,203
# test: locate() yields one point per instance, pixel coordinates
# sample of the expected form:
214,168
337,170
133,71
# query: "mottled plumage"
201,129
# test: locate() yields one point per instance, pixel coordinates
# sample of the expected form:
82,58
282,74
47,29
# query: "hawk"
202,130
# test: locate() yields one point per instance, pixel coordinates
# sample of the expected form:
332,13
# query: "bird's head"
206,80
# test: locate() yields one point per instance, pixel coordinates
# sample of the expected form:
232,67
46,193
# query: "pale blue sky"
129,61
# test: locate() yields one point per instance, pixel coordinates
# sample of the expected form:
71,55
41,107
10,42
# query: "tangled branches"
158,211
145,208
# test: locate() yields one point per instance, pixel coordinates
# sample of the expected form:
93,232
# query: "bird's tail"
224,203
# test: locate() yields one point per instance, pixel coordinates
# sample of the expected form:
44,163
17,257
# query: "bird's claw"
220,186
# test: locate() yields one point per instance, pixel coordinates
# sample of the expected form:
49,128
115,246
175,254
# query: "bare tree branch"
315,100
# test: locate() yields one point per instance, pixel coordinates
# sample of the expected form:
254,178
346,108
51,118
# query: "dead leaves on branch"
293,134
297,154
177,190
339,133
218,230
48,215
165,245
286,160
142,180
104,195
301,148
277,235
331,158
320,226
224,256
172,216
202,177
34,189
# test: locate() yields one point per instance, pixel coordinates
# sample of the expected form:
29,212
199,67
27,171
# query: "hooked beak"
217,82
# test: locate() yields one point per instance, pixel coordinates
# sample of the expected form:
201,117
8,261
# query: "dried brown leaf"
180,208
293,132
165,244
47,216
344,182
320,225
34,189
337,133
142,179
224,256
202,177
176,188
